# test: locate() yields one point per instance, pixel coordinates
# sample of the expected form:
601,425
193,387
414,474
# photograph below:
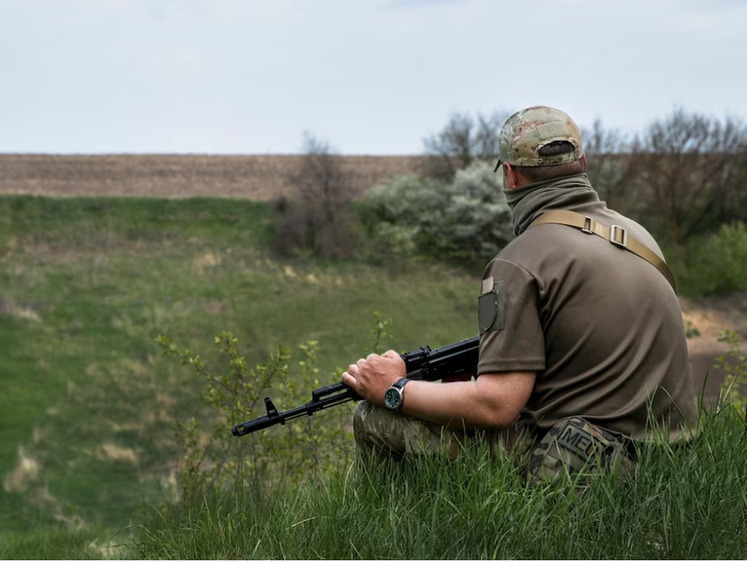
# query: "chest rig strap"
614,234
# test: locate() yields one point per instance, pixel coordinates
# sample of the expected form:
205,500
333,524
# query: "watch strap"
401,383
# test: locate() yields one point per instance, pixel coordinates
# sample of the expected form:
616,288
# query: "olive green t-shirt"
601,326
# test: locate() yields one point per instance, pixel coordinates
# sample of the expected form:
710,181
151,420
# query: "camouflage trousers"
570,448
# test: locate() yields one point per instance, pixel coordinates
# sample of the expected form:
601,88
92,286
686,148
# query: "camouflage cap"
526,132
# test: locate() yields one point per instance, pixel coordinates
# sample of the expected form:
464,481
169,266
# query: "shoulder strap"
614,234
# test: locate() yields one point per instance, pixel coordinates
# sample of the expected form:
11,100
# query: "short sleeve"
511,336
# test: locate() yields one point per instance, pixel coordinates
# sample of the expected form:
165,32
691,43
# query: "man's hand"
370,377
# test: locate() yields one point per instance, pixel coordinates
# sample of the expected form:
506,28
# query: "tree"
462,141
317,218
610,166
690,169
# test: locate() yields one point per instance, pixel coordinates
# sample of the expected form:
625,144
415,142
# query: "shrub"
214,462
717,264
466,220
394,212
312,227
317,218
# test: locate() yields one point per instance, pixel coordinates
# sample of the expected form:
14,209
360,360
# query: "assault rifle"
453,360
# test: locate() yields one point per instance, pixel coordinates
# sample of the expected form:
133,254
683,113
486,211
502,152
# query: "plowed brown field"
258,178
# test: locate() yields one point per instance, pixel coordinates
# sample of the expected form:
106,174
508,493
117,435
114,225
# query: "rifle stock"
452,360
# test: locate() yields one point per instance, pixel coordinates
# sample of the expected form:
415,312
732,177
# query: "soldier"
583,355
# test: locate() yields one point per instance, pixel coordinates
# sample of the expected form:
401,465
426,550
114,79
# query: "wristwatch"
395,395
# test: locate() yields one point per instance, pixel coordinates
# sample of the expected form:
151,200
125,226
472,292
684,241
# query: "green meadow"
89,401
88,451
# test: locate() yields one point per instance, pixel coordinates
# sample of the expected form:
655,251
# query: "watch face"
392,398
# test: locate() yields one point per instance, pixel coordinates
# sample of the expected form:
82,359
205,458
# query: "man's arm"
491,400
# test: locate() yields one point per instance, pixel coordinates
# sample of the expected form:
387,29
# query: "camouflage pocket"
574,446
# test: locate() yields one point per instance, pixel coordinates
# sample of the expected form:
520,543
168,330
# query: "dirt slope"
709,316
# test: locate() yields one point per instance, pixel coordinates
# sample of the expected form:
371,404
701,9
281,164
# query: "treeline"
683,177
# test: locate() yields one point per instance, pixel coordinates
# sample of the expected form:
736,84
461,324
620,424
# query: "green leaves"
715,264
213,461
465,220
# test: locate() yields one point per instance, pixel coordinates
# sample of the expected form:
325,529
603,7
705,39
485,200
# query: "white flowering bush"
465,220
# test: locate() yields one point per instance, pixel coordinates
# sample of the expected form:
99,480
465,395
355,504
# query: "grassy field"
87,446
88,400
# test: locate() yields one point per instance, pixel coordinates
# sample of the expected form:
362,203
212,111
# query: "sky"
369,77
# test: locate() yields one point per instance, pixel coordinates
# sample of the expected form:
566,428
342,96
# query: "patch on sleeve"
491,306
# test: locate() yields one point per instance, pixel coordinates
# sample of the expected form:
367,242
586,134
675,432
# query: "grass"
87,451
89,402
678,505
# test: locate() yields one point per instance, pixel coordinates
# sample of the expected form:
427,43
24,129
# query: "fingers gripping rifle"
427,364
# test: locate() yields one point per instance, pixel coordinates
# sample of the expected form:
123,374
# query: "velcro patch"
491,306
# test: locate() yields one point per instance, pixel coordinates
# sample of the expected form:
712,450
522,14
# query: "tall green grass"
687,504
87,451
88,400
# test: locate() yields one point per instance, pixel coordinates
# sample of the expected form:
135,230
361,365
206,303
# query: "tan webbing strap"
614,234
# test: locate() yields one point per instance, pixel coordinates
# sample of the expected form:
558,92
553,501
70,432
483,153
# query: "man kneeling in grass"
583,356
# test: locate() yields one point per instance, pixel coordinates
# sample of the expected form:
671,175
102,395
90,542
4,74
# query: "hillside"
265,177
254,177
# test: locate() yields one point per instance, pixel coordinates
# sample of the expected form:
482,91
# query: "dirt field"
177,176
709,316
266,177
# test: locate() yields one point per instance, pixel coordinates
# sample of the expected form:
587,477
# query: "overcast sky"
368,76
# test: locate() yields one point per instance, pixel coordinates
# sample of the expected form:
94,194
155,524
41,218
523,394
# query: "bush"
308,227
393,213
466,220
717,264
317,219
213,462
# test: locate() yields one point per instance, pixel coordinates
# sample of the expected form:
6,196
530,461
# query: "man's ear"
510,177
583,161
